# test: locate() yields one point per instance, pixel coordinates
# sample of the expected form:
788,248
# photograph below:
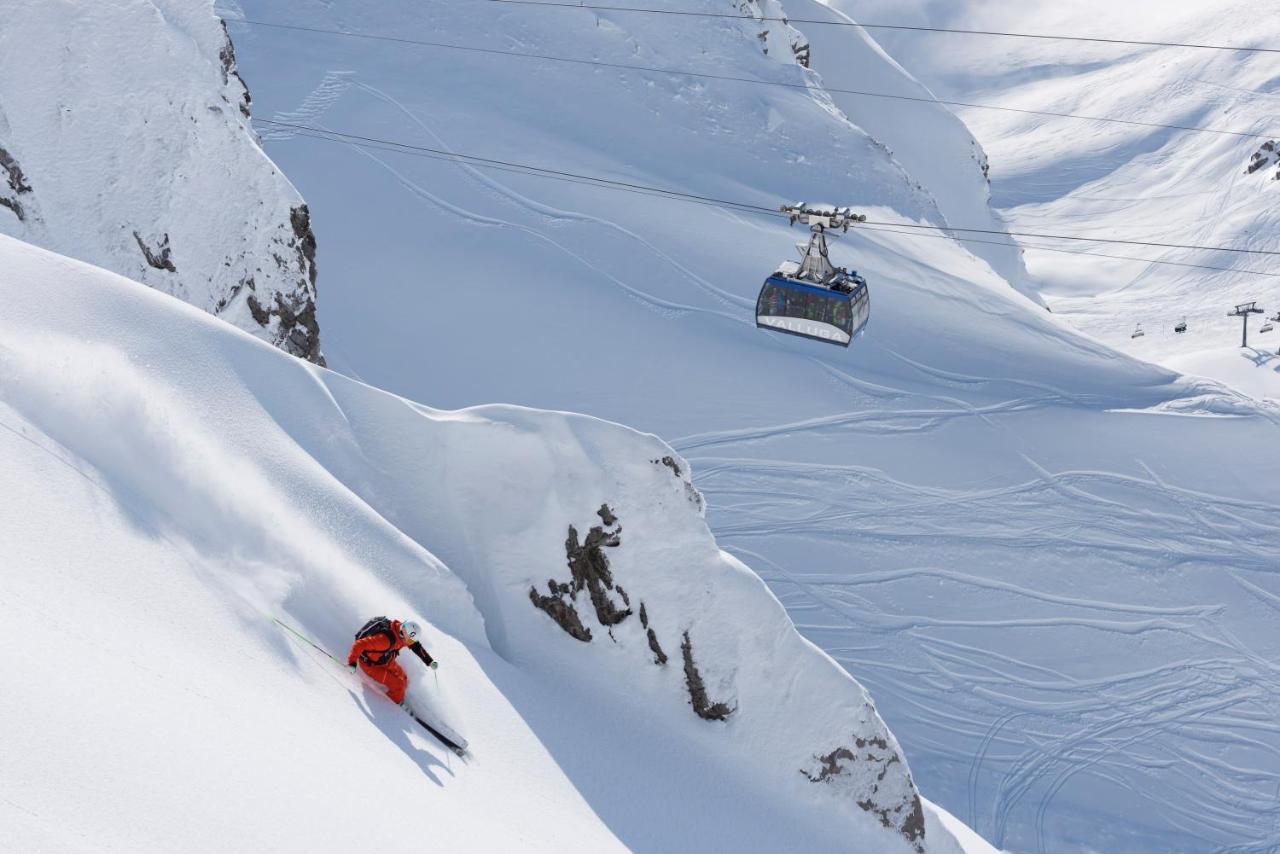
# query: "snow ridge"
230,483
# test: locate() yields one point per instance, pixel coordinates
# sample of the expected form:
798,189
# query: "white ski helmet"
410,631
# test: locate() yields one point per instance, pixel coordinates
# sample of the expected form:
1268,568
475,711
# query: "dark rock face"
590,572
1267,155
690,491
864,768
17,183
160,257
227,55
703,707
561,610
297,332
670,462
659,657
290,315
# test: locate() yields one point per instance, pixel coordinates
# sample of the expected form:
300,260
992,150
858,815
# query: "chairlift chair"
1181,327
813,298
1266,327
1137,332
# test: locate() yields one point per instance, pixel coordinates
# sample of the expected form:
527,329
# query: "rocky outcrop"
865,771
1266,156
227,55
591,574
144,163
590,571
17,185
690,491
775,31
291,318
703,706
159,258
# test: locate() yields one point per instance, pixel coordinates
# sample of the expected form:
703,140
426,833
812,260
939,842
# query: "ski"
440,737
452,740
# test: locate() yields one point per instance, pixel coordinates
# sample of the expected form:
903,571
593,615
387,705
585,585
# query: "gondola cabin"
833,313
813,298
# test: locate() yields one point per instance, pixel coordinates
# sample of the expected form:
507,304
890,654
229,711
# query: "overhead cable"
870,26
729,204
749,80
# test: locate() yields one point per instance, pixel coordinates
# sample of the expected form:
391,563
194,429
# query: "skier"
375,650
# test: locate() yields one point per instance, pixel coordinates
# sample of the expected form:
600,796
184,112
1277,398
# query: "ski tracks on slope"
336,83
1192,727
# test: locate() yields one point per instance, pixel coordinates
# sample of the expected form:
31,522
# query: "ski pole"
300,636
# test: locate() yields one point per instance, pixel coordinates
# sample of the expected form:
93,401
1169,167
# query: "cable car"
1181,327
813,298
1137,332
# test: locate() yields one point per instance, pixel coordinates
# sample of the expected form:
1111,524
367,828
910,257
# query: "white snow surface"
1252,370
1063,176
173,484
124,130
1052,565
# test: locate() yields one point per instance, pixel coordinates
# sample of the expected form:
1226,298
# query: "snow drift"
172,485
125,142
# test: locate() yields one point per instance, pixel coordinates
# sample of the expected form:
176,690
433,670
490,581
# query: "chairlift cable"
748,80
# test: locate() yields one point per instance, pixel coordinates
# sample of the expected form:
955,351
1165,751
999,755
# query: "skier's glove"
351,665
435,665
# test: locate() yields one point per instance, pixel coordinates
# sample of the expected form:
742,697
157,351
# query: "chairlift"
1137,332
1266,327
813,298
1181,327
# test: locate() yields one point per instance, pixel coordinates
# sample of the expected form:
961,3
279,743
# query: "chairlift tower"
1243,311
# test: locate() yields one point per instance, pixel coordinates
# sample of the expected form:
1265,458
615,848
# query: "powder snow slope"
125,142
1044,558
1129,181
171,484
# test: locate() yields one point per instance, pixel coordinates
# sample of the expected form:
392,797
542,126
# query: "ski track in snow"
313,107
336,83
1032,727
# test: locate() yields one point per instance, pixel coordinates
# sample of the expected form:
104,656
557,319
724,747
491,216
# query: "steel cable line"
729,203
749,80
920,29
1041,248
534,172
374,143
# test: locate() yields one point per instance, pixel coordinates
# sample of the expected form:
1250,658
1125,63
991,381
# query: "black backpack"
379,626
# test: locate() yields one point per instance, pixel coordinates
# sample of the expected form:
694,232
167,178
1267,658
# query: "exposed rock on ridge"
125,142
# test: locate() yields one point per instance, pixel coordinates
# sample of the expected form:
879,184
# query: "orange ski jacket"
379,650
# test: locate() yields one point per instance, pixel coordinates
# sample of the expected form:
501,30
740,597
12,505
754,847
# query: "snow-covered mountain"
1042,557
1038,554
1129,181
172,487
125,142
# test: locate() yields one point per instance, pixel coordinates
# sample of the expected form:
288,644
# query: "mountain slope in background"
125,141
1079,177
173,485
1035,552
